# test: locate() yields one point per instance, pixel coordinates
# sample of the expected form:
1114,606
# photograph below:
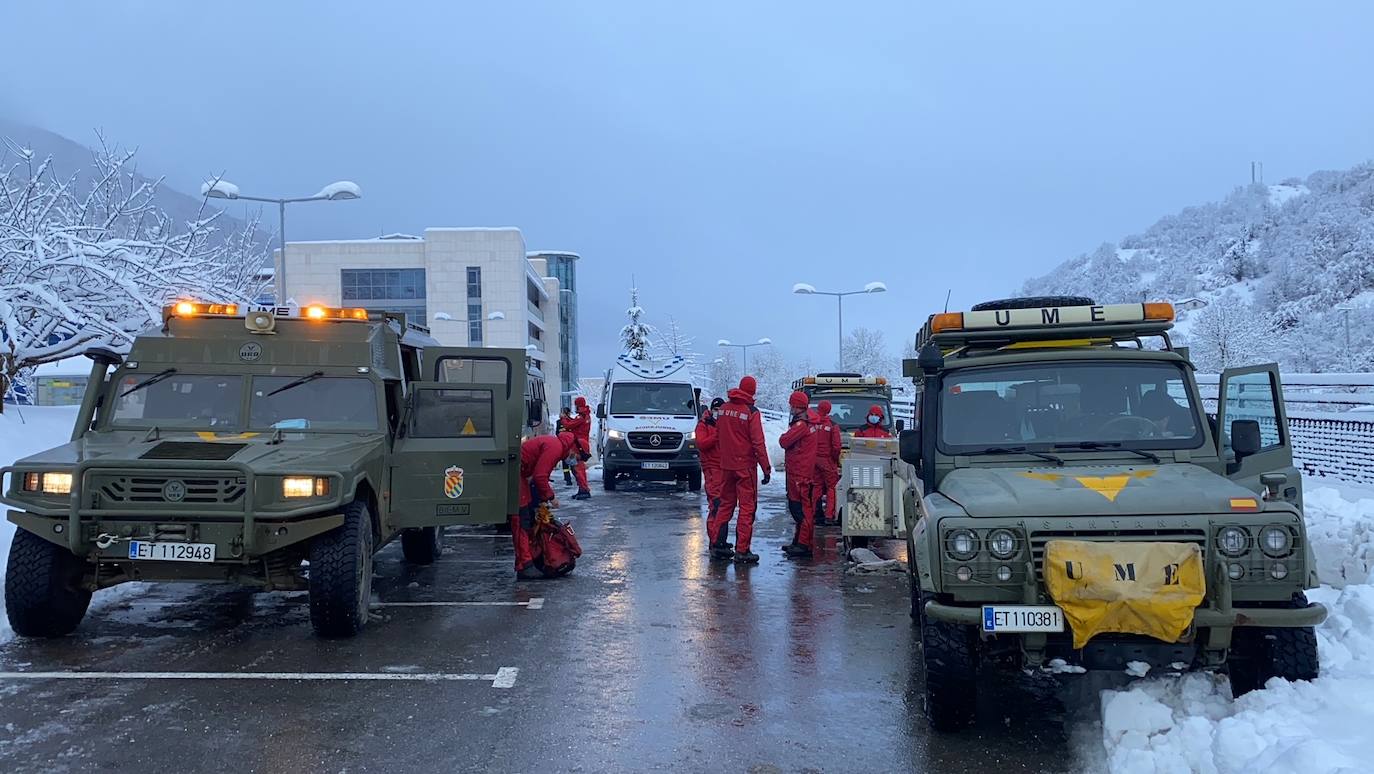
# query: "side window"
1252,396
453,414
468,370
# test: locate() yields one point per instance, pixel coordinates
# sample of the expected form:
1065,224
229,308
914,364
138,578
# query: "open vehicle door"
1252,429
459,461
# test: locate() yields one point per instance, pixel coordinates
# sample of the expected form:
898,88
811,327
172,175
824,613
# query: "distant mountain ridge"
1297,256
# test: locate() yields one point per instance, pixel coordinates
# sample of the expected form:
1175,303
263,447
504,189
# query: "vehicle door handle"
493,461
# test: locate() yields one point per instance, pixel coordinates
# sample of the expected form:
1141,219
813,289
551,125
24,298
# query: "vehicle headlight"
614,435
691,435
961,544
1276,541
304,486
1002,543
1233,541
48,483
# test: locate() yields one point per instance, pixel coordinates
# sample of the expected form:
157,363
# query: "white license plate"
1014,619
653,466
172,552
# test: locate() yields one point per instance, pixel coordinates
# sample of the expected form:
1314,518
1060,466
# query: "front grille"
643,440
192,450
1038,540
153,491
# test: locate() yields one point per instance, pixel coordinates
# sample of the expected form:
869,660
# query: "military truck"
850,396
1076,505
277,448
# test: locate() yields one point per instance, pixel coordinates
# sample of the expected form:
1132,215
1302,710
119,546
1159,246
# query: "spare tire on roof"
1033,302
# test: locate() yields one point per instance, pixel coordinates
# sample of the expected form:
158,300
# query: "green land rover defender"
1077,506
272,447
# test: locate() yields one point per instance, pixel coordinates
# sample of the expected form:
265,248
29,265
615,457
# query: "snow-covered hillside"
1295,259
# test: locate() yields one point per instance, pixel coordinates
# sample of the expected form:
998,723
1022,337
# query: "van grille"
643,440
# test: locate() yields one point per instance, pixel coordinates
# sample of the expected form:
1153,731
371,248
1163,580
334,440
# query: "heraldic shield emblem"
453,482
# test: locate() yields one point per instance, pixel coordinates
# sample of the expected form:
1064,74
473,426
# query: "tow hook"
104,540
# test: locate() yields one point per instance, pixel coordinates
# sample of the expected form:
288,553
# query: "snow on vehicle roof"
646,369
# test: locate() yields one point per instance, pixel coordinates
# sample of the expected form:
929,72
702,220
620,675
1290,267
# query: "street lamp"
341,190
744,348
803,289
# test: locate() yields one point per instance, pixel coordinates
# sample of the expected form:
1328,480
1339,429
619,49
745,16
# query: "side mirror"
900,424
1245,438
601,411
909,446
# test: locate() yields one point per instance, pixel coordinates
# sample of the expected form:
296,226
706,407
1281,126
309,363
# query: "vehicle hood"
299,451
1106,490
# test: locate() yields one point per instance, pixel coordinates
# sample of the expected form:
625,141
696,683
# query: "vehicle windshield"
653,398
347,403
1068,405
193,401
850,412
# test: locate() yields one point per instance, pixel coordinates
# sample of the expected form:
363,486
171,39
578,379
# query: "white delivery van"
646,423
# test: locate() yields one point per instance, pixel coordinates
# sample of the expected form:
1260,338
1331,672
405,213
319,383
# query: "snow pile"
24,431
1192,724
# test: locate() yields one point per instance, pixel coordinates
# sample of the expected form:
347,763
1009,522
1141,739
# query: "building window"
475,306
532,292
386,290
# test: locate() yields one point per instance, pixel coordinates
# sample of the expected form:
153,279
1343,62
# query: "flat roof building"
562,265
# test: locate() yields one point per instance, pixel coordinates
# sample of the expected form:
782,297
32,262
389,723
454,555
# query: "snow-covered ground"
1191,723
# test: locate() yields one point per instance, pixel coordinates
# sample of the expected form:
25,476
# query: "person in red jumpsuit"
538,458
580,426
873,427
710,457
799,444
742,451
828,445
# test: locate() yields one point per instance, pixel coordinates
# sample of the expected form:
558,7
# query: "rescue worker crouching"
581,428
828,447
874,426
799,444
538,458
742,451
710,457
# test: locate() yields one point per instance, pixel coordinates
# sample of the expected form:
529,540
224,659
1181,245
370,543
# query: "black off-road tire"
694,481
608,478
341,574
1033,302
43,592
1258,654
949,655
422,545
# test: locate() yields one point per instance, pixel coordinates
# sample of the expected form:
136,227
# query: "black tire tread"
1032,302
949,655
608,478
43,597
333,590
1261,653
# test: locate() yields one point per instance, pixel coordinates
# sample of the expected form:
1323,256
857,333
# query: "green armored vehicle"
272,447
1076,507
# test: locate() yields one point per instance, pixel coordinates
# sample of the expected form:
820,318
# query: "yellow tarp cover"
1125,588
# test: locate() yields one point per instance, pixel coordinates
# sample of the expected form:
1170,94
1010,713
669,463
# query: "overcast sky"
720,152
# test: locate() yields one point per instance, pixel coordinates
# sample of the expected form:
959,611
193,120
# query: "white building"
471,286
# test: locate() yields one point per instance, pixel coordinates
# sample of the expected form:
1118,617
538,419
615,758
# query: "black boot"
797,551
723,552
748,557
529,572
582,494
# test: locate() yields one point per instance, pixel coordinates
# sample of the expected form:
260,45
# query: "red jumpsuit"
873,431
710,460
581,428
800,443
828,446
742,451
538,458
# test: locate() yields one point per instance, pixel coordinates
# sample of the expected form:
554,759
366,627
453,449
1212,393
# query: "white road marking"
504,677
535,603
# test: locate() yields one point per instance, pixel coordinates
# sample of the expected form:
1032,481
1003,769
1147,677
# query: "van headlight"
1233,541
615,435
304,486
52,482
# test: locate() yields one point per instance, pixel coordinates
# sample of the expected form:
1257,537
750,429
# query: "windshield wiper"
1015,450
298,382
1152,457
154,379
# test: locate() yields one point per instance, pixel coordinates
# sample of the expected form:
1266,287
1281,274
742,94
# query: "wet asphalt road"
650,657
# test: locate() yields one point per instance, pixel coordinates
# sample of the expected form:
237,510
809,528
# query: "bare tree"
94,269
865,351
1230,333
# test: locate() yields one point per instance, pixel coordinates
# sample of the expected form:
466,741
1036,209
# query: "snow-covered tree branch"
81,270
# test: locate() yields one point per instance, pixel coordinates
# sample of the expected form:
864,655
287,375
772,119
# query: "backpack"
555,544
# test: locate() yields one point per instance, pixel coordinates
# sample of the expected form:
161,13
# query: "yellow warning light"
946,321
1159,311
315,312
357,314
185,308
809,380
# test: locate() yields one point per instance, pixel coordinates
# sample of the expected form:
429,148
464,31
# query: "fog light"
58,528
1278,571
964,574
1235,571
1004,573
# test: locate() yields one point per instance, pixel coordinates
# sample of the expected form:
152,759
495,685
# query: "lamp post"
341,190
803,289
744,348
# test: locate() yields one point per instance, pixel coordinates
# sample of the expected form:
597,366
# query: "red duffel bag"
558,548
